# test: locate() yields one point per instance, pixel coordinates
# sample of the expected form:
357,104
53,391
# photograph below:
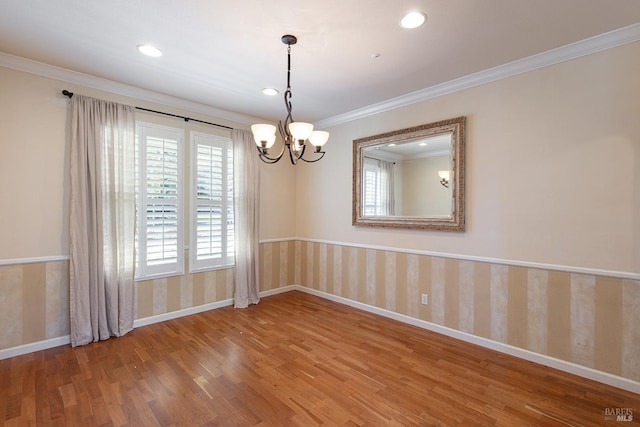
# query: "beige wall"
423,195
586,319
34,189
552,177
34,298
552,168
552,180
34,302
34,165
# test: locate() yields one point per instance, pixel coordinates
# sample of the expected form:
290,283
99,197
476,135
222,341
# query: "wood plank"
293,359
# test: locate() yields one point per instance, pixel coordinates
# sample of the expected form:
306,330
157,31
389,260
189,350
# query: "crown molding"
73,77
571,51
568,52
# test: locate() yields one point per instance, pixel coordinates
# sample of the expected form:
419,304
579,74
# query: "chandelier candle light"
294,134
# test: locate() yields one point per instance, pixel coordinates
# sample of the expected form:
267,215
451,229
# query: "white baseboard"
34,346
279,290
66,340
572,368
181,313
562,365
199,309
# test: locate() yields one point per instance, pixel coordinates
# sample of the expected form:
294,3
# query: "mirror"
411,178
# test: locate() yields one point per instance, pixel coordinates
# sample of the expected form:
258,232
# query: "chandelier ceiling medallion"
295,135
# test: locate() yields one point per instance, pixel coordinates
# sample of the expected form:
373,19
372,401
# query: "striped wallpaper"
34,302
589,320
160,296
34,298
585,319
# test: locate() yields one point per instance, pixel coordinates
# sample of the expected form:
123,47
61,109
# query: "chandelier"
295,135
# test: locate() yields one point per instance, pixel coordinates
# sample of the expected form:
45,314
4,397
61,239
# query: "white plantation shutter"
371,189
230,216
376,191
159,181
212,239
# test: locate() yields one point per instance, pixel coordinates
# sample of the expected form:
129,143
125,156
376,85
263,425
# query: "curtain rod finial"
67,93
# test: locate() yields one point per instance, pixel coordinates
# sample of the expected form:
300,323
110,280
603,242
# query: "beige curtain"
387,189
102,219
246,183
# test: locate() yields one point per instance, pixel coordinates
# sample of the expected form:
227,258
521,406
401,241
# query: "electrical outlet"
425,299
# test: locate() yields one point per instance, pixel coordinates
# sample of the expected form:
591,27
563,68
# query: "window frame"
143,270
227,259
373,207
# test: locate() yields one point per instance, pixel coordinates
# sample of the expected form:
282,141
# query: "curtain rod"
186,119
380,160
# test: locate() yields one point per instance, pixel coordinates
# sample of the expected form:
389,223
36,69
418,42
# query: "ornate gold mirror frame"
450,135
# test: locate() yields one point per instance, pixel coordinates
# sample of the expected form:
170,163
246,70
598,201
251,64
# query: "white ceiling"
222,53
436,145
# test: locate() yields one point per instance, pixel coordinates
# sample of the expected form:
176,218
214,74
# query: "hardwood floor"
293,359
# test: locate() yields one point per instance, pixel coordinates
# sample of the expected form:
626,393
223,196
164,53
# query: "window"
212,220
159,186
378,188
370,189
159,238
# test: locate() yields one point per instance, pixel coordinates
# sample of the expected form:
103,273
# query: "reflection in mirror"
403,178
412,178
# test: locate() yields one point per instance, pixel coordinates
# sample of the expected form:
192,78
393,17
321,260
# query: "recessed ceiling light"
149,50
413,20
270,91
422,144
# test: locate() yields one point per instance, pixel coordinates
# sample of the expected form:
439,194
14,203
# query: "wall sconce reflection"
444,178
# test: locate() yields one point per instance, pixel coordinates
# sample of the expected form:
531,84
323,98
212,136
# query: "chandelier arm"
314,160
296,155
268,159
301,152
292,157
